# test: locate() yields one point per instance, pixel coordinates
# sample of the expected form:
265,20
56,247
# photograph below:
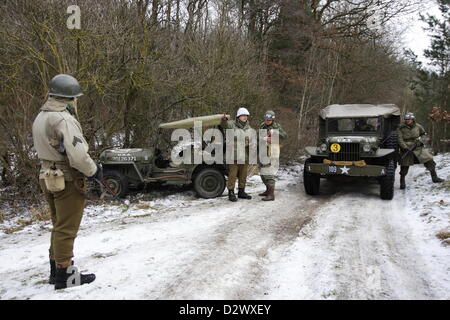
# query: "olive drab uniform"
53,129
237,171
412,151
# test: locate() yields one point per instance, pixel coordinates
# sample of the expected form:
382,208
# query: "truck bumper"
346,170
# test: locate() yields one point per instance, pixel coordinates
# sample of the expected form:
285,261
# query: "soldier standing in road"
412,149
63,154
235,170
270,124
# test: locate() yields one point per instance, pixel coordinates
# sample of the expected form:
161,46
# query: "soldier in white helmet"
235,170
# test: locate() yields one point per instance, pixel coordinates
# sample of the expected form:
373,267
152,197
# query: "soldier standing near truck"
236,170
63,154
412,149
269,124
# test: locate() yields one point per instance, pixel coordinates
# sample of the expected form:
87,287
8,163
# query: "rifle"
416,144
103,184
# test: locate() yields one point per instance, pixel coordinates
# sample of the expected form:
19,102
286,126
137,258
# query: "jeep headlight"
367,147
323,147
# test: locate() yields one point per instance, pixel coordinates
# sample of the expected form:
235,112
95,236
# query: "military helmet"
269,115
65,86
409,116
242,112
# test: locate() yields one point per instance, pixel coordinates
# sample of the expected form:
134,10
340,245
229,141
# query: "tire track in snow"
357,247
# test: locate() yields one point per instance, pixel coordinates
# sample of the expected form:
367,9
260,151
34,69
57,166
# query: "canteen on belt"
54,180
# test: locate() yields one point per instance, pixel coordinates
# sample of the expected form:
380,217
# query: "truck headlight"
323,147
367,148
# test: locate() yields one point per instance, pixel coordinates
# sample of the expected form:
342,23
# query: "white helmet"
409,116
242,112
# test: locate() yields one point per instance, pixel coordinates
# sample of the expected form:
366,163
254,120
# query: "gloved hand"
98,174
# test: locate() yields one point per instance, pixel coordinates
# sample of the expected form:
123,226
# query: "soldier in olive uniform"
412,149
60,145
270,124
236,170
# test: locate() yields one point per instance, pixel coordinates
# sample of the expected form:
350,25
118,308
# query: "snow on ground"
169,244
359,247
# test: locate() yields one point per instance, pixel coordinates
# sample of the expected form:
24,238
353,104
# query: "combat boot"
52,278
402,182
270,195
263,194
231,196
243,195
434,177
63,275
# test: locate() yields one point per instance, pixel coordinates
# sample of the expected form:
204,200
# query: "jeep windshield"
353,125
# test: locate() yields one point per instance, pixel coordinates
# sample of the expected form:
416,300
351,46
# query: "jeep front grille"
348,152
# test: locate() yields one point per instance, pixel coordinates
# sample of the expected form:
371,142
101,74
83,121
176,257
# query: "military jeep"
355,140
126,169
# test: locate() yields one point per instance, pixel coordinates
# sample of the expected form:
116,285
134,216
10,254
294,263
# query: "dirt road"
343,244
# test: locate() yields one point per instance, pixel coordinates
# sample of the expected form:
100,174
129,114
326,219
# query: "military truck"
126,169
355,140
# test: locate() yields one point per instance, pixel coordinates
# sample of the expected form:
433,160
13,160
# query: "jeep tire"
209,183
117,182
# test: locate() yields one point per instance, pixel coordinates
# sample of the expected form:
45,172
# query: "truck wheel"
387,182
311,181
209,183
392,143
117,182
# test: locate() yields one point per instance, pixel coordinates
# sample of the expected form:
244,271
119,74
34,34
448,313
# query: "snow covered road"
343,244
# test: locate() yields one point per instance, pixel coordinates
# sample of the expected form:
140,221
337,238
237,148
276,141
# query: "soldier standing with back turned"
65,162
412,149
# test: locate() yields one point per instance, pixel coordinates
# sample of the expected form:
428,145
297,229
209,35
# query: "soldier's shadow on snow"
367,188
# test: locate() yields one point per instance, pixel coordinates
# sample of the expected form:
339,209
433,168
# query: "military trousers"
430,165
66,208
237,171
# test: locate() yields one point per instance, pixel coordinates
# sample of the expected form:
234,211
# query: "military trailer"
126,169
355,140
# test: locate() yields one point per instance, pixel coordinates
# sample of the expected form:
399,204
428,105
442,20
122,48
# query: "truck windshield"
353,125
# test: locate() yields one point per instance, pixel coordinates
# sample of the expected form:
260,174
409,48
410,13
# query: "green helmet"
269,115
65,86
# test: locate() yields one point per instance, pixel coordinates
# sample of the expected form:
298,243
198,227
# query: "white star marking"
344,170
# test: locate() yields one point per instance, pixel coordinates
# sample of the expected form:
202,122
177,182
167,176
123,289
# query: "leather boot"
243,195
402,182
435,177
52,278
231,196
263,194
62,277
270,195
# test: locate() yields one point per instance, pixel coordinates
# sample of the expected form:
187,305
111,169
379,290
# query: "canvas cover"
207,121
359,111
